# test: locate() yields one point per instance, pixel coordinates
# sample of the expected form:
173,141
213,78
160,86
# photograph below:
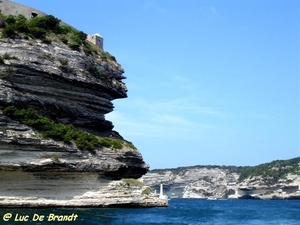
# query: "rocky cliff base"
52,189
38,172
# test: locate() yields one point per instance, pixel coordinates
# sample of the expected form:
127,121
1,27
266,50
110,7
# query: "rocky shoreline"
217,182
46,190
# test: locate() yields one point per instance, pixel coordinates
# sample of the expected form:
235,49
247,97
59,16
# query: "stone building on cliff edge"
11,8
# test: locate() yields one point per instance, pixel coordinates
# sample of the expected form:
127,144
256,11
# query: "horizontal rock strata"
71,88
36,78
221,183
72,189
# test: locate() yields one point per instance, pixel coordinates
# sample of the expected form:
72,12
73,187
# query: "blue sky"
210,82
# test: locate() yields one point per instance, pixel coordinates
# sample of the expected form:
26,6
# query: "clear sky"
210,81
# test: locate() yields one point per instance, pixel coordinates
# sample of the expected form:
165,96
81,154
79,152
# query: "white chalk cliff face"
224,182
74,88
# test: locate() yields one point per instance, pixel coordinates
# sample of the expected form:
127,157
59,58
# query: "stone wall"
11,8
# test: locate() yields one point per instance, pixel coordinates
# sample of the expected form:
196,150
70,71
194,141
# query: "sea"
179,212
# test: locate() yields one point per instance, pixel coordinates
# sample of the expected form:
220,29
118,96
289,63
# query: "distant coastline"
279,179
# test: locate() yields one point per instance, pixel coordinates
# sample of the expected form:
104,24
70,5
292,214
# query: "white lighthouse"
161,193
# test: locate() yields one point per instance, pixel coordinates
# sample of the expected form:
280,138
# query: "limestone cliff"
73,88
276,180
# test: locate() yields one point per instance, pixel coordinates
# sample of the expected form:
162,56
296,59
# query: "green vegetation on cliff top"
41,27
48,28
272,171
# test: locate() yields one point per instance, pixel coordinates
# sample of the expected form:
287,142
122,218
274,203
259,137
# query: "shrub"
13,24
37,32
132,182
130,145
21,26
9,31
9,111
64,29
46,40
21,18
10,19
74,46
63,62
38,27
77,38
111,143
147,191
107,56
49,129
59,131
90,48
79,35
93,70
2,21
8,56
47,23
64,66
64,40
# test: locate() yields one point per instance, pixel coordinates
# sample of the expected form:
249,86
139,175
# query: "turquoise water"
180,211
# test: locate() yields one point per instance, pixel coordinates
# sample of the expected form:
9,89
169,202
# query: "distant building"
95,39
